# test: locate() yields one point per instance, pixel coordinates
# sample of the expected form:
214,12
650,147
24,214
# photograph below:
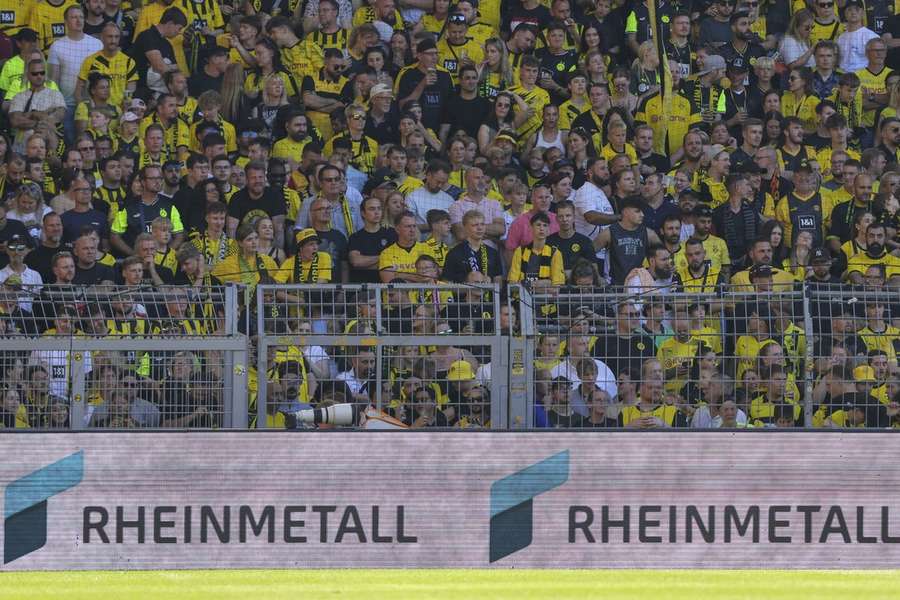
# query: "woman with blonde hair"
645,71
265,229
232,93
796,47
394,205
764,69
28,207
273,97
494,72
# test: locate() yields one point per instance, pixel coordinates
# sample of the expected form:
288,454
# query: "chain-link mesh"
402,356
116,357
819,357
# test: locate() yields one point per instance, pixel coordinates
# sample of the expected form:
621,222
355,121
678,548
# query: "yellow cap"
460,370
864,373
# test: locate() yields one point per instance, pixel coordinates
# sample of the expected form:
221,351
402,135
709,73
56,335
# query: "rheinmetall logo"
25,505
511,503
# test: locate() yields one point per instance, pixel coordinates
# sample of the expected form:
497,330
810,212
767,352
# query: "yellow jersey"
871,83
48,21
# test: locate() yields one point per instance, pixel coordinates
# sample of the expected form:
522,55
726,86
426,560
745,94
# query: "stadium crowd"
668,219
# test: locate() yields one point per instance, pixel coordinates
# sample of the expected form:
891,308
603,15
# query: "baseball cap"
460,370
380,89
381,177
130,117
804,165
16,242
137,103
855,3
820,255
760,271
306,235
507,134
738,65
702,210
563,162
713,62
864,373
26,34
426,45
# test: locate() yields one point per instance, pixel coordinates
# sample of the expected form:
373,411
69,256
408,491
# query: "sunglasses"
457,18
35,73
826,4
358,117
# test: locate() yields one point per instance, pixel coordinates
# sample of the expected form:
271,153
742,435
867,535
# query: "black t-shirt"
462,260
369,244
335,244
434,97
94,275
386,132
40,259
73,222
657,161
245,209
150,39
539,16
625,353
201,82
467,115
573,248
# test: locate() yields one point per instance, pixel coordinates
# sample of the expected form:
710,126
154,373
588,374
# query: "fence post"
236,417
520,362
78,394
261,359
809,359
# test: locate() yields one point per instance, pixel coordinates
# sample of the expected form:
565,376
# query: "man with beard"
693,152
875,254
40,259
290,147
627,241
658,205
759,254
698,274
737,220
744,44
257,200
658,277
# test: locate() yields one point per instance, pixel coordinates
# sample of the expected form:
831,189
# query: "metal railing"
810,356
404,355
124,357
412,356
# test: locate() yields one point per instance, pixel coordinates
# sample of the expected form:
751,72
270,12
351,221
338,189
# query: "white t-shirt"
853,48
791,49
590,198
68,55
420,201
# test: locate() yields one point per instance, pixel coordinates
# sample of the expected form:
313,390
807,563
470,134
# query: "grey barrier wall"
479,499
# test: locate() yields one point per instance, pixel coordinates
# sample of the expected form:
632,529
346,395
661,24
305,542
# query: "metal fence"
122,357
466,356
808,356
403,355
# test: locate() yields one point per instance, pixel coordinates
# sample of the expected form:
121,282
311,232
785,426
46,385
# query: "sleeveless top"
627,250
554,143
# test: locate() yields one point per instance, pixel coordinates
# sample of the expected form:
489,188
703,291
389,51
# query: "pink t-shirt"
519,233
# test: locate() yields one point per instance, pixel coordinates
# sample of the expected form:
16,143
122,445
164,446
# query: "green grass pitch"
452,584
